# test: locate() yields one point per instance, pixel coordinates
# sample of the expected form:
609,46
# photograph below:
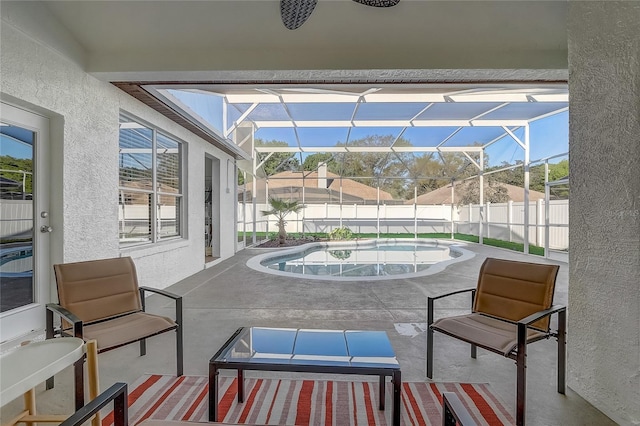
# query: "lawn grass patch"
533,249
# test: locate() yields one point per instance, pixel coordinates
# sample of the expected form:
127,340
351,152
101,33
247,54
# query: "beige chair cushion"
98,289
484,331
129,328
514,290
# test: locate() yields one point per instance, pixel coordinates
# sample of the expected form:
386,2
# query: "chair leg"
474,348
429,338
179,352
562,350
179,339
50,383
143,347
521,380
49,335
429,353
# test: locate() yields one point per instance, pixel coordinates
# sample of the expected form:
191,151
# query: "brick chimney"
322,175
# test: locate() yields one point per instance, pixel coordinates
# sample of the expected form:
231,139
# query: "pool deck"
229,295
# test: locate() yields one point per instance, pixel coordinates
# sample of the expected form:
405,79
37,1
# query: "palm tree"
280,209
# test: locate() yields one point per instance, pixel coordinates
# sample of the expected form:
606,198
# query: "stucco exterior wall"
84,162
604,287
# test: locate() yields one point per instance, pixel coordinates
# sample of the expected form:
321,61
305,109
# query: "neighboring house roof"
443,195
289,184
9,183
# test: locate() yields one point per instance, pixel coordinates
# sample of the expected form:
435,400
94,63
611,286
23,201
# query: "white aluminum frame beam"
350,148
389,123
344,97
240,119
523,145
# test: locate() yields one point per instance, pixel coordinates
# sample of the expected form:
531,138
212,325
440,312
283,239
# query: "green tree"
278,161
515,176
311,162
280,209
375,168
558,170
432,171
20,165
494,191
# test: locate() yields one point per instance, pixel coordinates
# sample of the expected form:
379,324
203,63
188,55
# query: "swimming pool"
381,259
16,261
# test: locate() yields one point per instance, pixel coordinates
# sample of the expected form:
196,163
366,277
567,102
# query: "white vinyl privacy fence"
16,219
502,221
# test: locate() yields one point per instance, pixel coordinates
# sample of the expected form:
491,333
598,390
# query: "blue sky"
17,142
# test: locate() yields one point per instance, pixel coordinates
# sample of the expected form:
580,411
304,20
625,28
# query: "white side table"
24,368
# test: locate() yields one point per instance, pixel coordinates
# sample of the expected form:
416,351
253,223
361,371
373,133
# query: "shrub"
343,233
340,254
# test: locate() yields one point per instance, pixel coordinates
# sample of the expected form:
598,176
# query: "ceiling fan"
294,13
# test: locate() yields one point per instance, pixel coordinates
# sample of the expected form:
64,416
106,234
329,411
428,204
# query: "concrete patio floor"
229,295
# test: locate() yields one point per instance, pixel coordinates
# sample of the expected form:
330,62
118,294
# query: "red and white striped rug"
304,402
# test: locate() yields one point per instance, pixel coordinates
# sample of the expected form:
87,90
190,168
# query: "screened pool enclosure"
408,159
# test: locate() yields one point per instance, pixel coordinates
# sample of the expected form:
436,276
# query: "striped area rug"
304,402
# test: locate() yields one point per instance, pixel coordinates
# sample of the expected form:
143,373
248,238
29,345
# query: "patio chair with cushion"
101,300
511,307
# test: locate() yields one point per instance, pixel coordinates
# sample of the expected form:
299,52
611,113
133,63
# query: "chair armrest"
175,297
541,314
454,412
158,291
430,301
452,293
65,314
525,322
116,393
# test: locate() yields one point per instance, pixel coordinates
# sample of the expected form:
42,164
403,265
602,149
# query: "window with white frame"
150,199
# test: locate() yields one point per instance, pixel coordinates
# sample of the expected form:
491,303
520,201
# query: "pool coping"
255,261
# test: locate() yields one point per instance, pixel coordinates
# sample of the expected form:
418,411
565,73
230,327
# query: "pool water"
374,258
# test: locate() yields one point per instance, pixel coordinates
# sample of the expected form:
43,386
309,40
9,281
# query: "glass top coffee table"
307,351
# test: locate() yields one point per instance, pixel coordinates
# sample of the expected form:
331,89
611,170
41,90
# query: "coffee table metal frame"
216,365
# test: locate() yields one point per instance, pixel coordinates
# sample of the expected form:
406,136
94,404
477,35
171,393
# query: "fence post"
244,211
452,223
539,223
480,224
452,212
386,217
488,219
378,212
510,219
415,212
355,216
303,201
341,202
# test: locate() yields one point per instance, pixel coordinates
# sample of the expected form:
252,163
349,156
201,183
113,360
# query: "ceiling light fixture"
294,13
